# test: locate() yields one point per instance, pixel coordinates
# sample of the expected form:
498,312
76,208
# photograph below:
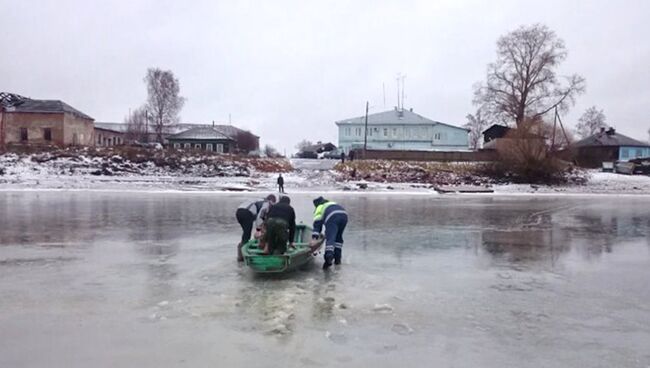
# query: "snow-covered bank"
113,172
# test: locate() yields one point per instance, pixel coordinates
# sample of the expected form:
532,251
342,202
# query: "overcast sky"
288,69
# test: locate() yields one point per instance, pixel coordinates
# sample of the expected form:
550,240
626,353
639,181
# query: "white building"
401,130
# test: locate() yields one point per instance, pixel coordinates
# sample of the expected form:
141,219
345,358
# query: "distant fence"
444,156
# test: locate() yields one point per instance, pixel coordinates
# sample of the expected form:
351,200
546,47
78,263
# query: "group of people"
275,226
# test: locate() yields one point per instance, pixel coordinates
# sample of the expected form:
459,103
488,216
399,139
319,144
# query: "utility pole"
365,136
146,126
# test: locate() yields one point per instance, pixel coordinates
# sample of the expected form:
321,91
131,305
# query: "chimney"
411,109
213,123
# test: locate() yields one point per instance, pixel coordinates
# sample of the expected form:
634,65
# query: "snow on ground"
598,183
22,172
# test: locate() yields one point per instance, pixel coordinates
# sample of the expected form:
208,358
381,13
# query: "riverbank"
144,170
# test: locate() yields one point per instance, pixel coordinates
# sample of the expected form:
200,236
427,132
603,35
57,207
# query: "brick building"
26,121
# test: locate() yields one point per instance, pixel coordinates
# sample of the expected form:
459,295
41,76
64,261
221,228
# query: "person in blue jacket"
333,218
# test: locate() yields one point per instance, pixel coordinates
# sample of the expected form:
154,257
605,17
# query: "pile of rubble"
120,161
432,173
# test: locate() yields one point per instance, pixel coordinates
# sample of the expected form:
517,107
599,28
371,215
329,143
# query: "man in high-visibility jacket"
333,217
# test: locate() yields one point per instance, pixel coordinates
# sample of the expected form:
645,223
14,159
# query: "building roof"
497,130
115,127
24,104
609,138
395,116
228,130
200,133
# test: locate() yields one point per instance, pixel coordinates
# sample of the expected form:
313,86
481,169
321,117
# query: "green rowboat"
293,259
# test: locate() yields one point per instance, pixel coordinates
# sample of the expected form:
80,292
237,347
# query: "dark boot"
328,260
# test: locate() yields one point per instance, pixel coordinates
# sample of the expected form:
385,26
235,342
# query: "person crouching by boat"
280,227
334,218
251,214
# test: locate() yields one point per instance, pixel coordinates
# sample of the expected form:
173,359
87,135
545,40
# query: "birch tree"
164,102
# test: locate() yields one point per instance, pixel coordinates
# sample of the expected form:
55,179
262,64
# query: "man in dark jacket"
280,184
333,217
251,214
280,226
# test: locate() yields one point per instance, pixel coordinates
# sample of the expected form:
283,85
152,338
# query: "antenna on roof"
400,96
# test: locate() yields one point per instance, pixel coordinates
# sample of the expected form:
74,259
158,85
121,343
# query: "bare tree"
476,123
247,142
163,101
271,152
522,84
303,144
136,125
590,122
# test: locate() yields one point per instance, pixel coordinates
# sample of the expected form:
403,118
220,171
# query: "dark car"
307,154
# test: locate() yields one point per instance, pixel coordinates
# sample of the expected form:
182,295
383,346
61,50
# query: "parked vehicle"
332,155
637,166
307,154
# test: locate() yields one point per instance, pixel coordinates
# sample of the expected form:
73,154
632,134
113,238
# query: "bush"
525,157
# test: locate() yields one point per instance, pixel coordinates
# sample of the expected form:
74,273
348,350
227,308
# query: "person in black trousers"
280,184
249,215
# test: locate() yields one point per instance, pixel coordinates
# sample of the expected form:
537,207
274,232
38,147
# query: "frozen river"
91,279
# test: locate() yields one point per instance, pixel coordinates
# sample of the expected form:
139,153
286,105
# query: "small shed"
202,138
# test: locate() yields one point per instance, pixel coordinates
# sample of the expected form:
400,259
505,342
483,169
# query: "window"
23,135
219,148
638,153
177,145
624,153
47,134
394,132
99,139
187,146
208,147
385,132
347,131
197,145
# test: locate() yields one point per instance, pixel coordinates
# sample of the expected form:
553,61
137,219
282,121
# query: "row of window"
627,153
198,146
24,134
109,141
412,132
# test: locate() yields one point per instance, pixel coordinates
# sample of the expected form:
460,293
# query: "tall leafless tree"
303,144
163,102
522,83
271,152
137,125
590,122
476,123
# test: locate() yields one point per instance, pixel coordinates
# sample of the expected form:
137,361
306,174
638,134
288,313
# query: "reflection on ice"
447,281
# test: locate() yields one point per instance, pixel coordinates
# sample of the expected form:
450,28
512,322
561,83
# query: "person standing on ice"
333,218
251,214
280,183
